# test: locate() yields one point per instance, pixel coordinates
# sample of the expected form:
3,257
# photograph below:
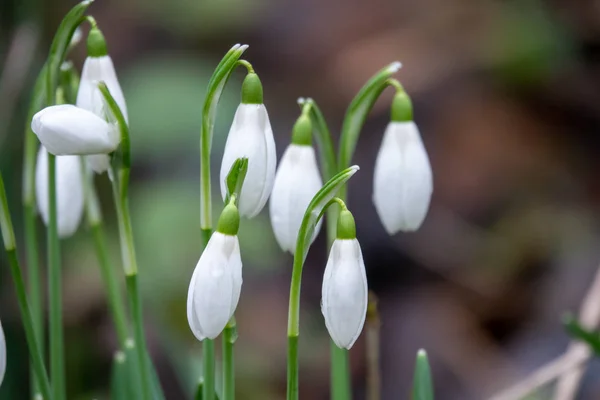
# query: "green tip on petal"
229,221
402,110
96,44
346,227
302,132
252,90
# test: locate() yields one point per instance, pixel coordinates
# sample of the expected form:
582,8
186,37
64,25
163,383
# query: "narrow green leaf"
580,333
422,384
314,211
199,389
358,110
209,113
60,45
133,370
235,178
69,81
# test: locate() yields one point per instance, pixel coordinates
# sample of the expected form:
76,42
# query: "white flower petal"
296,182
2,354
251,136
69,191
215,286
96,69
345,292
98,162
68,130
403,181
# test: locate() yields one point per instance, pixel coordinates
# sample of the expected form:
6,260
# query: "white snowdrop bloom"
69,191
68,130
296,182
216,283
251,136
403,181
98,67
2,354
345,292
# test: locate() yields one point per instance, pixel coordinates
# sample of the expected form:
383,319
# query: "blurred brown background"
507,97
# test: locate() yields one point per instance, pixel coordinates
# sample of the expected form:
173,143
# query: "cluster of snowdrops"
83,130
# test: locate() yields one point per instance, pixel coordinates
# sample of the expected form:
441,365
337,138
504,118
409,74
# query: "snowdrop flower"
403,182
68,130
251,136
98,66
2,354
217,279
345,292
69,191
296,182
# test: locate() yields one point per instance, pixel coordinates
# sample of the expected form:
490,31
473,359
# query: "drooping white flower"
69,191
98,67
216,283
2,354
345,292
68,130
296,182
251,136
403,181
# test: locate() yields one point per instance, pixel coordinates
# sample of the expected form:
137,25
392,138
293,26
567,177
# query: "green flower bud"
402,110
252,90
346,228
229,221
302,132
96,45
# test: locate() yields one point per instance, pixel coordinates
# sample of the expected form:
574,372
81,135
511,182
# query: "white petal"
251,136
296,182
96,69
2,354
403,181
69,130
215,286
69,191
345,292
98,162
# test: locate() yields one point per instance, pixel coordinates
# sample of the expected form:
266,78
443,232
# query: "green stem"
35,284
115,298
35,353
113,292
57,362
229,338
208,360
138,331
292,367
340,373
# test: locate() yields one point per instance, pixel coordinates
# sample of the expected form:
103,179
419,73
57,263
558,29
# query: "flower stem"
35,353
229,338
208,360
138,331
292,367
57,362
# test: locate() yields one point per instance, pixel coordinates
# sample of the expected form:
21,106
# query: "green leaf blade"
422,383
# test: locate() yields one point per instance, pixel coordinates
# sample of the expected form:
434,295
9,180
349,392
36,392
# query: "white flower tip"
394,67
301,100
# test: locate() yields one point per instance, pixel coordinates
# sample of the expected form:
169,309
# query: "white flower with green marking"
251,136
345,291
296,182
69,191
403,181
216,283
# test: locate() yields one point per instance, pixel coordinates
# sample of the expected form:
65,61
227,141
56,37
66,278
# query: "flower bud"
69,191
251,136
216,283
345,293
403,182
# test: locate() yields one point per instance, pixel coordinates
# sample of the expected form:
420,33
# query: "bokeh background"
507,97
